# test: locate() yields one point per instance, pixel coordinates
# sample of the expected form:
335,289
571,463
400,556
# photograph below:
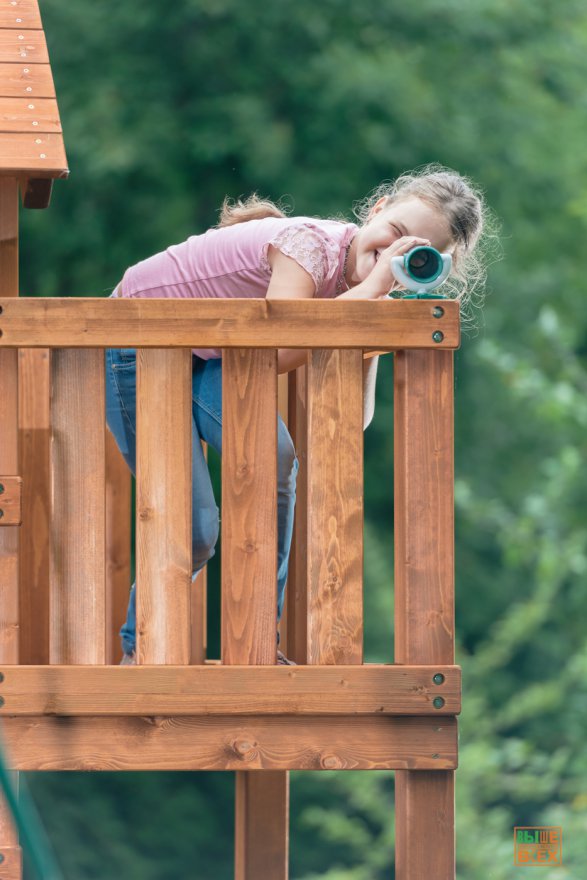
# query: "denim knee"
204,536
287,462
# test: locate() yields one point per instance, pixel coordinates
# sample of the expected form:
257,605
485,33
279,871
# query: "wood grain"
249,586
164,505
335,507
424,588
371,689
77,576
34,452
10,501
118,545
24,13
236,743
9,464
26,80
249,506
23,44
39,154
29,115
219,323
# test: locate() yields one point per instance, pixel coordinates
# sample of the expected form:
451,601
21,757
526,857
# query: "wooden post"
77,559
9,465
424,589
249,506
335,506
34,454
249,586
164,505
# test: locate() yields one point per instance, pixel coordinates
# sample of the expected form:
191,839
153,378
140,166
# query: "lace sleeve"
309,246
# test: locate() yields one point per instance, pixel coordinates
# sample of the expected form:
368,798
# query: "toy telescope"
422,269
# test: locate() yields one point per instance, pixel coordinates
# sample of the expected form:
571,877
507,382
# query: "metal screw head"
1,513
438,702
437,312
438,678
438,336
1,488
1,676
1,858
1,701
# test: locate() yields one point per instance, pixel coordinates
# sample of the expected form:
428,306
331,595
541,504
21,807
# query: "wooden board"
236,743
34,453
424,588
77,557
220,690
217,323
23,44
29,115
33,154
23,80
19,14
335,506
164,506
10,501
249,506
9,464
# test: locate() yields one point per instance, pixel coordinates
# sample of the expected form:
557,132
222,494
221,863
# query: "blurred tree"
167,108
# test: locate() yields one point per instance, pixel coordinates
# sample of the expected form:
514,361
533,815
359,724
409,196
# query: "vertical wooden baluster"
164,505
77,557
118,545
249,586
34,454
9,465
249,506
283,410
199,608
335,506
424,589
297,590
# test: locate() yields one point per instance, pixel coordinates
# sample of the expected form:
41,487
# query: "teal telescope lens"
423,264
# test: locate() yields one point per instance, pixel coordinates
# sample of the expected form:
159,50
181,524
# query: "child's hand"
380,281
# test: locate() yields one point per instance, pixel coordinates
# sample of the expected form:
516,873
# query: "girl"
257,251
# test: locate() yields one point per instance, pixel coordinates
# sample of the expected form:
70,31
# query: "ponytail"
252,208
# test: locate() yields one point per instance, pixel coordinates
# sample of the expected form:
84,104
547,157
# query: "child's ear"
379,205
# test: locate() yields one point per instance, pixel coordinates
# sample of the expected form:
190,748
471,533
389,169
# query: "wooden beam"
164,506
424,588
222,690
77,557
335,507
249,506
34,444
238,743
230,323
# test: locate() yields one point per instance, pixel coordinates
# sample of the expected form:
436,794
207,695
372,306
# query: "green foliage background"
166,108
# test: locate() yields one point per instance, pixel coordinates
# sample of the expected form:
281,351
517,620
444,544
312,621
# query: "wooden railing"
176,709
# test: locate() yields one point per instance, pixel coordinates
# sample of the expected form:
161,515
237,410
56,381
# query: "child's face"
407,217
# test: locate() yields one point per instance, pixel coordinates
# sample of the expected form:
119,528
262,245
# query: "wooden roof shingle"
31,137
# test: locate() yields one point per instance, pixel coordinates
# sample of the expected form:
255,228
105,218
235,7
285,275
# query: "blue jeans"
206,426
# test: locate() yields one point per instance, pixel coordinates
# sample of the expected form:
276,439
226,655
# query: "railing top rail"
227,323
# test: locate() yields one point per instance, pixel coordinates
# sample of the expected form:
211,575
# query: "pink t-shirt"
232,261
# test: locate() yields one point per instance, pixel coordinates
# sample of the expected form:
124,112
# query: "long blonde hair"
474,228
252,208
